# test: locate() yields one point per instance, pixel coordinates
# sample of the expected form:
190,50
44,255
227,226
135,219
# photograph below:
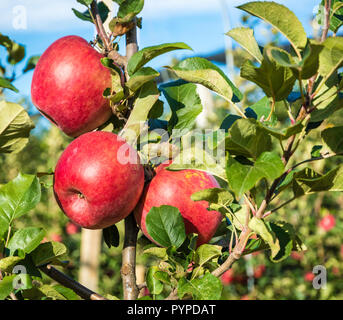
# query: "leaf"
242,176
15,127
140,58
85,16
141,77
16,53
185,105
200,70
130,8
261,109
153,284
51,292
6,286
276,81
69,294
307,181
17,198
85,2
331,57
146,98
217,198
111,236
206,253
247,138
160,253
26,239
336,13
165,225
31,63
266,233
281,18
47,252
4,83
208,287
333,137
7,264
245,37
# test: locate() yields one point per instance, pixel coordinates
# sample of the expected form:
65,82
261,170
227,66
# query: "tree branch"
100,27
70,283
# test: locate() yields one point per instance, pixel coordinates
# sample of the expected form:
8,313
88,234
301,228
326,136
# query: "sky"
199,23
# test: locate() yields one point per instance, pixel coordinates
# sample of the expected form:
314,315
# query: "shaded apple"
98,180
68,84
174,188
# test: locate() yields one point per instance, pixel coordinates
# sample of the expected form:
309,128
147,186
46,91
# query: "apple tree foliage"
302,81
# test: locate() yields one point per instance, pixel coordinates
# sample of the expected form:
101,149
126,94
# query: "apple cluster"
92,186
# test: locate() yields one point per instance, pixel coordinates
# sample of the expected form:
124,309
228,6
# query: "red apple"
227,277
174,188
68,83
309,276
56,237
328,222
98,180
72,228
259,271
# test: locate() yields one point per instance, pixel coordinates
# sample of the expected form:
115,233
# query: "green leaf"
17,198
130,8
85,2
200,70
264,230
69,294
6,286
31,63
48,252
158,252
261,109
141,77
333,137
16,53
281,18
154,285
147,96
331,57
140,58
26,239
247,138
308,181
315,152
206,253
85,16
51,292
217,198
4,83
7,264
336,19
15,127
185,105
165,225
208,287
276,81
245,37
243,176
111,236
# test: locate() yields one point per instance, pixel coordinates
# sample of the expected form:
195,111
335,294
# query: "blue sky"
199,23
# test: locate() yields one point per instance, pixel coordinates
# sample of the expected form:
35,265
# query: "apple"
72,228
68,83
98,180
227,277
327,222
174,188
259,271
309,276
56,237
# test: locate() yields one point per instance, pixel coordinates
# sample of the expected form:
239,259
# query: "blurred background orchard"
202,24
